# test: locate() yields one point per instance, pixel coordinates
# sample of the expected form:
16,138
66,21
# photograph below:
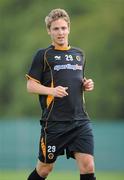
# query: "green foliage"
97,27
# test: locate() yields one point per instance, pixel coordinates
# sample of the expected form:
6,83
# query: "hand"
59,91
88,84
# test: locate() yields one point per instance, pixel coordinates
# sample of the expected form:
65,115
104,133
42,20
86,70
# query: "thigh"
83,158
55,139
83,143
47,147
51,141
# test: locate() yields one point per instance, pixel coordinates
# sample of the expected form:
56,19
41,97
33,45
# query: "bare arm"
37,88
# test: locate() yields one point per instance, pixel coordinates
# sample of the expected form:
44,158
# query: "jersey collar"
61,48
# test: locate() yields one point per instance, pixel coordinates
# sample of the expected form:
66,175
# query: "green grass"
22,175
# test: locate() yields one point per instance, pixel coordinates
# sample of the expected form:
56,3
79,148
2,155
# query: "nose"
60,31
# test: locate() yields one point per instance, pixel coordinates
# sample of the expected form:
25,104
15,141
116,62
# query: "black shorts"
58,138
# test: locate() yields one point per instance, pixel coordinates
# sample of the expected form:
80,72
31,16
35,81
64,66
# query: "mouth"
60,38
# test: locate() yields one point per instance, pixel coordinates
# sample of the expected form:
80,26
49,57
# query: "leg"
44,169
41,172
85,164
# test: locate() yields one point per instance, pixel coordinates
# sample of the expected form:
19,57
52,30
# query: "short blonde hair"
56,14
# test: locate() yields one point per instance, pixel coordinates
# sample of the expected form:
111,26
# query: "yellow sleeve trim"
29,77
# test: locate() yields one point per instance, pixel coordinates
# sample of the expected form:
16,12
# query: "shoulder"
40,51
79,50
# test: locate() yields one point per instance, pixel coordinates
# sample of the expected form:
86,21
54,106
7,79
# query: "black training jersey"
60,67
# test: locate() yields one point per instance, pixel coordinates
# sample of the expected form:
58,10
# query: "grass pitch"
22,175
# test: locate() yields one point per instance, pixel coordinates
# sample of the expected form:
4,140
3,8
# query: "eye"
56,28
64,28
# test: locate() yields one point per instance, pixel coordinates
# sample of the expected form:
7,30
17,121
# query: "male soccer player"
57,76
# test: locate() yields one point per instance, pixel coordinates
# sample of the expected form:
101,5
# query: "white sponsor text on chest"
67,66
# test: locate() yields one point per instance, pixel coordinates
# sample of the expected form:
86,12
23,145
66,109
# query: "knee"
87,168
44,170
90,167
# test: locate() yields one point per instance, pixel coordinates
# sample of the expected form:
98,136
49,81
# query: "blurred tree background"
96,26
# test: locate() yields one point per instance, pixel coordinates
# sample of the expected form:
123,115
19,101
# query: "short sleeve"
36,69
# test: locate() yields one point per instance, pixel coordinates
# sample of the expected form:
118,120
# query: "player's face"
59,32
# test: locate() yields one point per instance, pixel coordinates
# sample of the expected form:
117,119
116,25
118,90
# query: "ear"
48,31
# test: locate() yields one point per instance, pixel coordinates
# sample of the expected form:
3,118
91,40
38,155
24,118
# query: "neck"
61,47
